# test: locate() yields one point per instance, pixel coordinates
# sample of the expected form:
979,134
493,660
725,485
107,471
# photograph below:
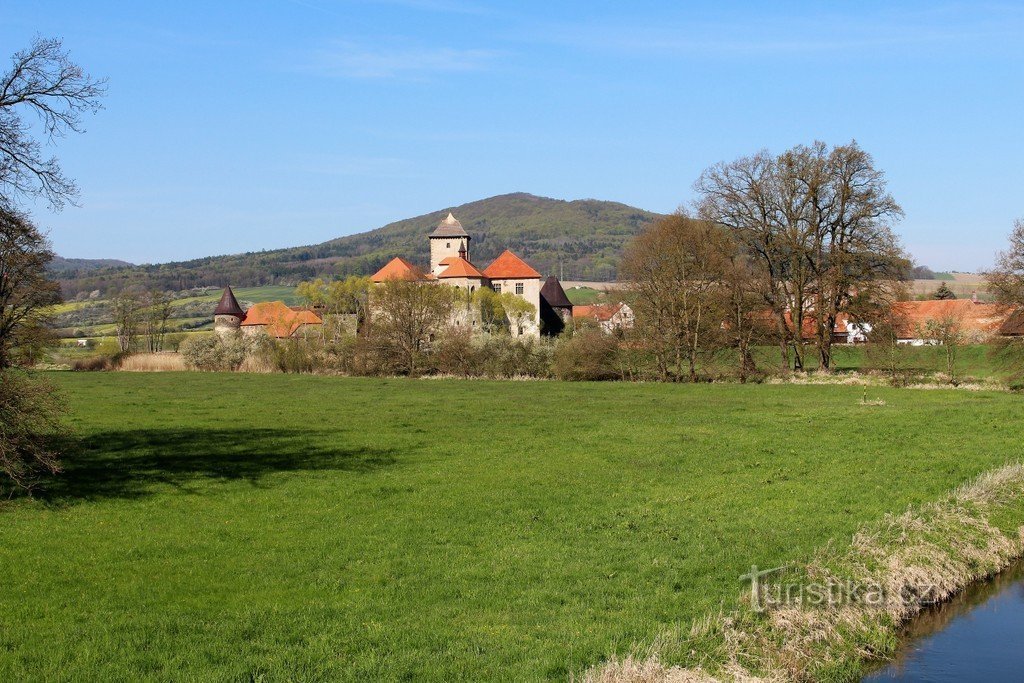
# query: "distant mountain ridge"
64,266
579,240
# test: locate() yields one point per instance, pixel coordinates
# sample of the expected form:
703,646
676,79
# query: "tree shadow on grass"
137,463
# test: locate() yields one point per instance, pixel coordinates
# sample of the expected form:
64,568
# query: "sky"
232,127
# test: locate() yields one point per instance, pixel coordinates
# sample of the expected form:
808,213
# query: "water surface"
978,636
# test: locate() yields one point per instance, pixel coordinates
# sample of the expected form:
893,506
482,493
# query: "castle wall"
531,292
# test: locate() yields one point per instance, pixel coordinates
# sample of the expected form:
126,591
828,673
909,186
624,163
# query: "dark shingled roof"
553,293
1013,326
449,227
229,305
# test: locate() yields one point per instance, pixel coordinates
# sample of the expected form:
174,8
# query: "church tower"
448,239
228,316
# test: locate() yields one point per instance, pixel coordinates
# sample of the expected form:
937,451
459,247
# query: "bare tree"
948,332
1006,280
676,267
25,291
744,325
45,82
128,318
156,307
818,220
405,318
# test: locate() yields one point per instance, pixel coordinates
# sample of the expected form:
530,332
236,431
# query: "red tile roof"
459,267
508,266
398,269
279,320
973,317
599,312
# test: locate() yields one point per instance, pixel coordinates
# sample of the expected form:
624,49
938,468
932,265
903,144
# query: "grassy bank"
284,526
831,618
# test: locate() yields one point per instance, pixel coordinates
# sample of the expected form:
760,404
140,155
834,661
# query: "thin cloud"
794,35
350,60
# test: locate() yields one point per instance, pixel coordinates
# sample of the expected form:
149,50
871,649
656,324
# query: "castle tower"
228,316
448,239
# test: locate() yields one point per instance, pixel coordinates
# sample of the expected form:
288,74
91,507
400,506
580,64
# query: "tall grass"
152,362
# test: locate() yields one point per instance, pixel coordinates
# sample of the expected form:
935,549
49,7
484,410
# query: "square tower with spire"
447,240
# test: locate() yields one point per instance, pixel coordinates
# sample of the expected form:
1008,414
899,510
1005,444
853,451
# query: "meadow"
270,527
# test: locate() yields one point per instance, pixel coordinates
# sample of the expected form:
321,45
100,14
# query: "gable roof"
973,317
1013,326
449,227
228,305
279,320
398,269
459,267
509,266
553,293
599,312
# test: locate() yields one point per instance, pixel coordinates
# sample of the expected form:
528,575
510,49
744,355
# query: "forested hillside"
580,240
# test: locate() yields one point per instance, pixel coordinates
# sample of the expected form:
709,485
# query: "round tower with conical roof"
228,316
448,239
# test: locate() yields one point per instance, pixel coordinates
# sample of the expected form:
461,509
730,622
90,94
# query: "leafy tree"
943,293
30,425
45,83
25,290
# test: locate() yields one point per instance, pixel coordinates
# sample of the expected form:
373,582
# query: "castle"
450,265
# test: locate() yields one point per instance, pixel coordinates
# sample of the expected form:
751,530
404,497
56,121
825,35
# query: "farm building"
918,320
610,317
1013,326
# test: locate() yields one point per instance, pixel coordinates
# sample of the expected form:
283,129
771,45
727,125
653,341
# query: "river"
977,636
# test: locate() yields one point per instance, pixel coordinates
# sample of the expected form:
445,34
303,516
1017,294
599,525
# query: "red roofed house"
977,321
450,265
273,317
610,317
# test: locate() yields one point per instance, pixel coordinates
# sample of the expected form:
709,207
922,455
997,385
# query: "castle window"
519,288
497,288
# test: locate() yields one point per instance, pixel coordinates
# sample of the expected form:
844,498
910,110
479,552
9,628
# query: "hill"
69,267
580,240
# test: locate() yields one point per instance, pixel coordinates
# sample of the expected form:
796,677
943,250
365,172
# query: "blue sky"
242,126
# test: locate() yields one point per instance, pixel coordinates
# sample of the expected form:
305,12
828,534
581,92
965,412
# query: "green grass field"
276,527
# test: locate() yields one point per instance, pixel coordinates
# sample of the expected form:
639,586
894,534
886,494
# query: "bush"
589,355
30,427
93,364
211,352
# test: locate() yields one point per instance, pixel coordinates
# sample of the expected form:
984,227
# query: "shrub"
589,355
93,363
203,352
30,427
211,352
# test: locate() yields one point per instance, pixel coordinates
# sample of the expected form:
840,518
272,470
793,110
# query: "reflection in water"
977,636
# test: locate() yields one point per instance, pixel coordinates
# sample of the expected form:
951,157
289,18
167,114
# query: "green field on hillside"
292,527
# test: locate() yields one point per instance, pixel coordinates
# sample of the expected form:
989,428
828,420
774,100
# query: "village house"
610,317
274,318
917,321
